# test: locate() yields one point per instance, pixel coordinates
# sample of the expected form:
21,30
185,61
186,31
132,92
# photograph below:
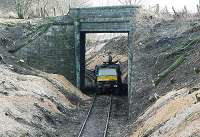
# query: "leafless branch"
185,10
22,6
198,9
130,2
175,13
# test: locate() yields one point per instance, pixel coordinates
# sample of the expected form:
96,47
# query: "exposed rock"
30,104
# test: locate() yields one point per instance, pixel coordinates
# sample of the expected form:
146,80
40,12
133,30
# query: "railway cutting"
97,120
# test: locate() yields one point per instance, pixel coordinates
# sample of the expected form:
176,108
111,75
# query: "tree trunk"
54,11
157,8
198,9
168,70
175,13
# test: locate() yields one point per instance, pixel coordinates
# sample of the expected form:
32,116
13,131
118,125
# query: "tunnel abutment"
117,19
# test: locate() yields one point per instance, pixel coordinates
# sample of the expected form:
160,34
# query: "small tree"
130,2
22,7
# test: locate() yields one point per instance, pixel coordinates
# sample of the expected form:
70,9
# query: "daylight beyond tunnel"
98,47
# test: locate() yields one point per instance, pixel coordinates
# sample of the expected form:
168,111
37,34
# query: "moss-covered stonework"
53,52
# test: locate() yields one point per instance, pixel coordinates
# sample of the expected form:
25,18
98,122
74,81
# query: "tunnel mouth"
104,63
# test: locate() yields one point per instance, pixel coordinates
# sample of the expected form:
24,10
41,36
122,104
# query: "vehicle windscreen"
107,72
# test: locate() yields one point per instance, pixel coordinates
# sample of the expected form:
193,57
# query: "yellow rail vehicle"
107,76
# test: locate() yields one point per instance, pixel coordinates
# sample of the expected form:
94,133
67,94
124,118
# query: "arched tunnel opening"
104,63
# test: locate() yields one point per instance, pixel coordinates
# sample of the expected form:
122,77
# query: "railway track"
96,122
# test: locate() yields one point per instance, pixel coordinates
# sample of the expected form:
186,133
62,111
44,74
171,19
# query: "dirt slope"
173,115
167,52
96,53
35,106
34,103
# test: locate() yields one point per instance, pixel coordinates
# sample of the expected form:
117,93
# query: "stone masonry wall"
53,52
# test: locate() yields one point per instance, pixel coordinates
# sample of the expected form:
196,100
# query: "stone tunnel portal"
117,19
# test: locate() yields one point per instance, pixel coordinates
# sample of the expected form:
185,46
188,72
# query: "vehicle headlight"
115,86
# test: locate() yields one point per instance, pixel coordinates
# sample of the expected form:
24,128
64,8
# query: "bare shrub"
22,7
151,24
130,2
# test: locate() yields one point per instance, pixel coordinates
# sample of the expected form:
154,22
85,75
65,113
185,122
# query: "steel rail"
108,117
88,114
